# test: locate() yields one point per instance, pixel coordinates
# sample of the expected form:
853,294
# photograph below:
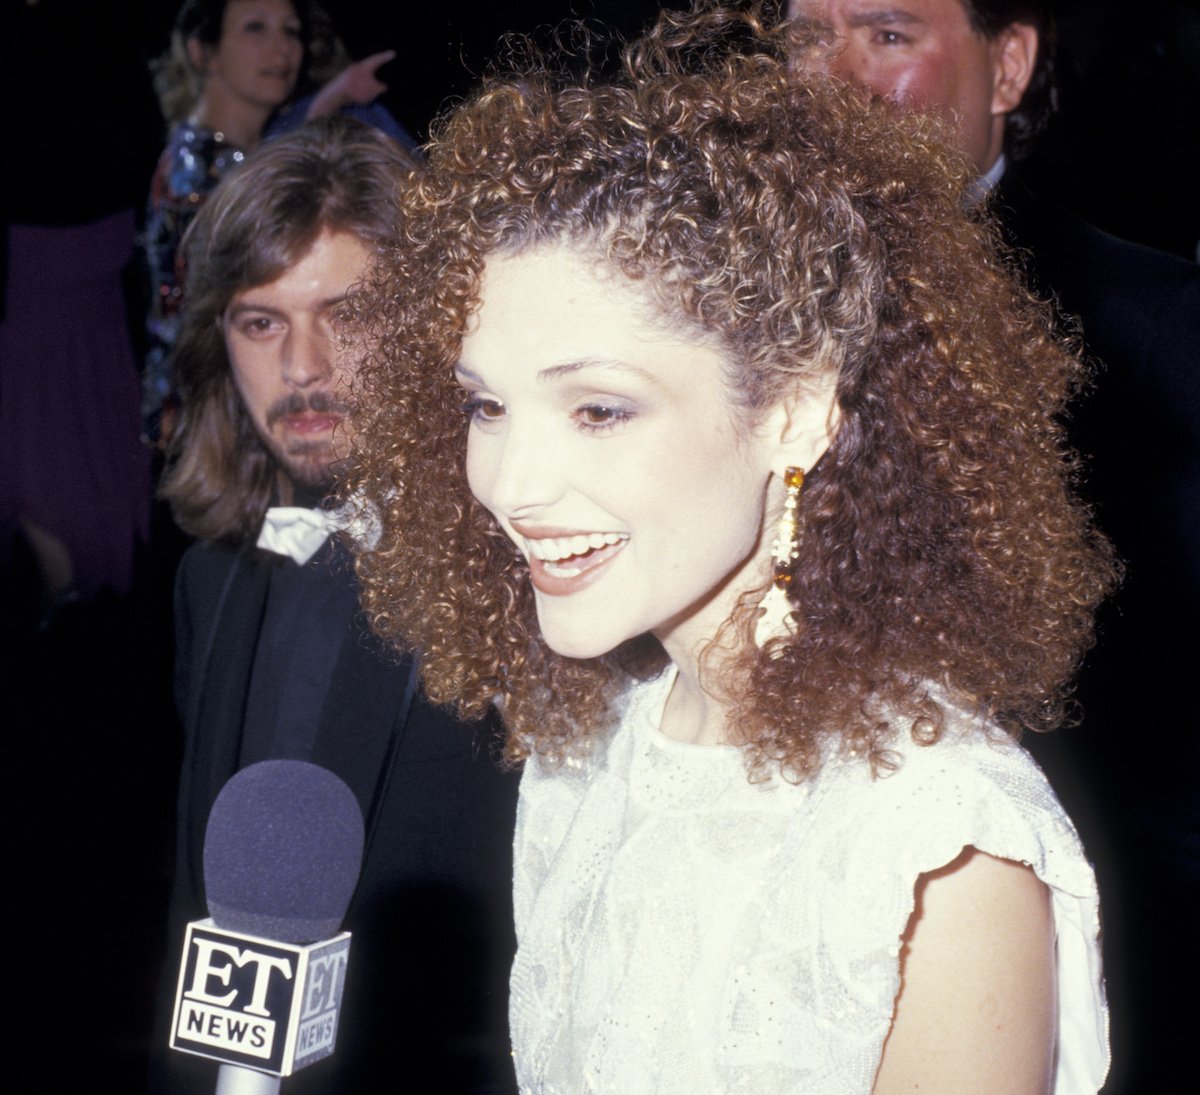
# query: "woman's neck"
694,714
239,122
703,641
695,711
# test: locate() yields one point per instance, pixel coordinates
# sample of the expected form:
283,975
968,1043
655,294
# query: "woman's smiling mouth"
565,564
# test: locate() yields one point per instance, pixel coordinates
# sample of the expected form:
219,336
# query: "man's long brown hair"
333,174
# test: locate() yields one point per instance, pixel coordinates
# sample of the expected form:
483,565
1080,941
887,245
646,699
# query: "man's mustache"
320,402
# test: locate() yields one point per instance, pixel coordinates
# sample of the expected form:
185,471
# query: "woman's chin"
579,642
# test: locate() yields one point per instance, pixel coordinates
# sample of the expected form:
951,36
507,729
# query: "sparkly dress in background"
194,162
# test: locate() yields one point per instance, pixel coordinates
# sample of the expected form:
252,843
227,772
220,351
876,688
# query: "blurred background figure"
74,490
89,723
232,68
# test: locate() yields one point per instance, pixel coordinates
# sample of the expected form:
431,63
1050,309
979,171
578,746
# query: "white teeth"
552,549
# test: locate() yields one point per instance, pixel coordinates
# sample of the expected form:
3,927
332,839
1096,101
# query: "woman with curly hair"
712,443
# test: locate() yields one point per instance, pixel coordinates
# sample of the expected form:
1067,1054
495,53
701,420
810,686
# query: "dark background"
1124,151
92,764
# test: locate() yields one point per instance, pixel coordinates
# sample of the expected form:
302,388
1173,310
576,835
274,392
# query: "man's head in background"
269,261
986,65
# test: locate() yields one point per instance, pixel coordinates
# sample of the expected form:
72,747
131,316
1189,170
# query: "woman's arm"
356,83
976,1010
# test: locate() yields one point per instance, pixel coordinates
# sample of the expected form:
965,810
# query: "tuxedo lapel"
364,716
219,704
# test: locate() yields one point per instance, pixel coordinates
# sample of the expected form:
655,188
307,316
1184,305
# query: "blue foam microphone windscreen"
282,852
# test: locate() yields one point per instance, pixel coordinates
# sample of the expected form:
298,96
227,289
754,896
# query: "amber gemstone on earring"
793,478
782,579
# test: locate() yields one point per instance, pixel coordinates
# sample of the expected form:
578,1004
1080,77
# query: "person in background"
273,659
232,67
986,67
710,442
74,481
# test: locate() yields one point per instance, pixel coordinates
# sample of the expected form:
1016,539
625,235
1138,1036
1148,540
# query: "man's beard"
312,466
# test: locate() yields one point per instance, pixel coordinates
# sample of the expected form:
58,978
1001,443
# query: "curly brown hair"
806,229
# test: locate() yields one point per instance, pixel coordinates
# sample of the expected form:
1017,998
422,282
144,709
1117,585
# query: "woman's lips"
568,562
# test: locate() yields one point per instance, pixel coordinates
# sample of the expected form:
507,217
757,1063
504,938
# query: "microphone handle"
235,1080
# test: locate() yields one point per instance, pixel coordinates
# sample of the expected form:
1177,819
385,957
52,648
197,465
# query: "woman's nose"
516,470
283,42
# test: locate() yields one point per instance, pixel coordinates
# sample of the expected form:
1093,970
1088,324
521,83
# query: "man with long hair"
273,660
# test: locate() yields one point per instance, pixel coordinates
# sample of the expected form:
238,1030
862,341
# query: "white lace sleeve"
992,797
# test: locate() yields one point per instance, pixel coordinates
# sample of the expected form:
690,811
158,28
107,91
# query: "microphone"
260,984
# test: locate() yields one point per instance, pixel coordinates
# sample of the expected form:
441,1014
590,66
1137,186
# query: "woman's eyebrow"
567,368
557,372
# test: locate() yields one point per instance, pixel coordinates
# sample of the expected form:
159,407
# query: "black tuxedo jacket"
426,988
1139,314
1138,428
1128,772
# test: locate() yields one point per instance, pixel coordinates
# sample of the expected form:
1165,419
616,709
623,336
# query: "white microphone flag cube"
258,1003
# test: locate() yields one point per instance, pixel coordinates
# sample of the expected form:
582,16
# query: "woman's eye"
483,410
599,416
292,31
891,38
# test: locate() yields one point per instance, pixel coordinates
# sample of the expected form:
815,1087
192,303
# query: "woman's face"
258,58
608,447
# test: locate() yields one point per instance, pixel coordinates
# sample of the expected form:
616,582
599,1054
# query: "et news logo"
257,1002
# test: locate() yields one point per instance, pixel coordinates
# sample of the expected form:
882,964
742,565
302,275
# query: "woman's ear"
805,422
198,54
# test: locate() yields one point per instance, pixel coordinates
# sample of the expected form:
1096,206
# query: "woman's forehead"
650,292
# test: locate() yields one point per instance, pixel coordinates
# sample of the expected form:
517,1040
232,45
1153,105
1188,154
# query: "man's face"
282,350
925,55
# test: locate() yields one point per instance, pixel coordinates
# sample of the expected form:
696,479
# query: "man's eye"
257,326
891,38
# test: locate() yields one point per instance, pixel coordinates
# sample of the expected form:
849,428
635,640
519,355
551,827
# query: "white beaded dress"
682,930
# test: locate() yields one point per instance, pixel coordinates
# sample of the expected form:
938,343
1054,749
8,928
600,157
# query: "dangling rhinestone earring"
776,606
